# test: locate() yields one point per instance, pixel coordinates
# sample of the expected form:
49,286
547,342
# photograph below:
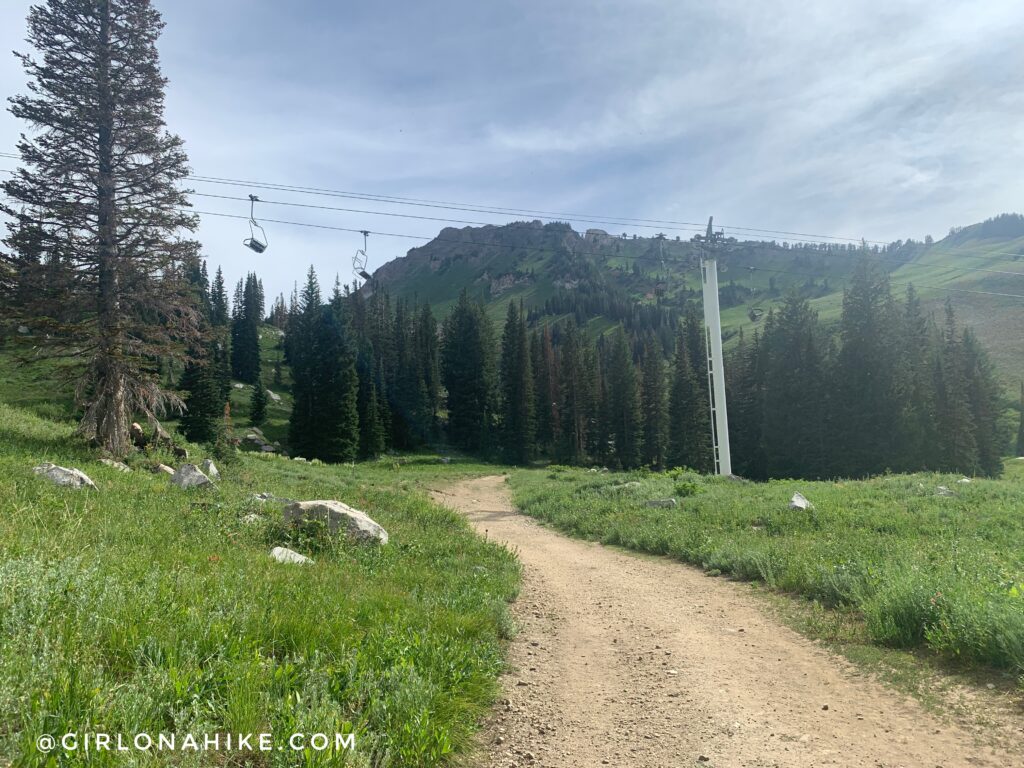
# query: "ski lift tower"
709,246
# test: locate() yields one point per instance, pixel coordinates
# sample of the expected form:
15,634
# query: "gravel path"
635,661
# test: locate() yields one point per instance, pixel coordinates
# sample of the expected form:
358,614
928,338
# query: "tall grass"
925,571
141,607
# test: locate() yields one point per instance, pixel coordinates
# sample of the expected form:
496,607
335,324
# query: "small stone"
163,468
825,707
120,466
210,469
799,501
285,555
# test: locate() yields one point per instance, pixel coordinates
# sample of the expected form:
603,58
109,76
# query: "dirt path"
635,661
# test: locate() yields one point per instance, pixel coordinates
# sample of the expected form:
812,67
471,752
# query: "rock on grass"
357,525
68,478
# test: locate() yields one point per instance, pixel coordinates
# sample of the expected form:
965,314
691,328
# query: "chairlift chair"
258,243
360,259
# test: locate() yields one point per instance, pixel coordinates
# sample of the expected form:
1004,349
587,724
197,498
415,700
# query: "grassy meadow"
142,607
922,571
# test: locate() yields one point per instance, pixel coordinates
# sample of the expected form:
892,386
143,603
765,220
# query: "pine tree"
984,395
689,422
467,368
517,404
576,397
623,405
545,388
303,421
100,188
654,406
956,440
915,426
795,431
202,420
258,403
864,410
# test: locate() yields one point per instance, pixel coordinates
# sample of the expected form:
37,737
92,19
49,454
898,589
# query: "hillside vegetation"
604,278
921,568
140,607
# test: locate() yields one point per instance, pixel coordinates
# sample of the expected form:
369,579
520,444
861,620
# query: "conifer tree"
956,440
654,406
201,379
545,388
576,397
467,367
689,430
517,403
794,436
99,191
864,411
623,406
258,403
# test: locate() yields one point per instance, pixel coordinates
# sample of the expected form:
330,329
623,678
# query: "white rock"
252,518
299,458
189,476
963,480
799,501
337,515
285,555
274,396
210,469
163,468
236,385
943,491
23,330
118,465
663,503
69,478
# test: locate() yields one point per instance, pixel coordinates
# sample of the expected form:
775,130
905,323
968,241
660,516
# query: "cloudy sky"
881,119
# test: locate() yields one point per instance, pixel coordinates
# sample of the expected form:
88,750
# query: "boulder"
189,476
138,437
799,501
69,478
210,469
337,515
23,330
662,503
285,555
944,491
163,468
118,465
268,448
161,436
179,452
299,458
963,481
274,396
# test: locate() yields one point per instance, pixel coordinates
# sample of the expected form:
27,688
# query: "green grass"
141,607
919,571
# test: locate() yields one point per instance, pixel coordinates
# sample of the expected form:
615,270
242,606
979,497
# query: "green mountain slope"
604,278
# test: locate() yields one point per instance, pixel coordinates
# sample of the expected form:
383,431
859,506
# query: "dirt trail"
634,661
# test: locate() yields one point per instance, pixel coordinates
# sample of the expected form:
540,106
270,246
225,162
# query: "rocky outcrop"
339,517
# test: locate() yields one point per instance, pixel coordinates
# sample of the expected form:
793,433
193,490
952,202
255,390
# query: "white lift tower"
713,335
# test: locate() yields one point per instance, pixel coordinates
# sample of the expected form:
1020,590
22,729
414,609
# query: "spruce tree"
654,405
956,439
202,420
99,191
689,422
517,404
623,405
258,403
467,366
576,397
864,411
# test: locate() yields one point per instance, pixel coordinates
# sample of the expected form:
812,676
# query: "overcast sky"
881,118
